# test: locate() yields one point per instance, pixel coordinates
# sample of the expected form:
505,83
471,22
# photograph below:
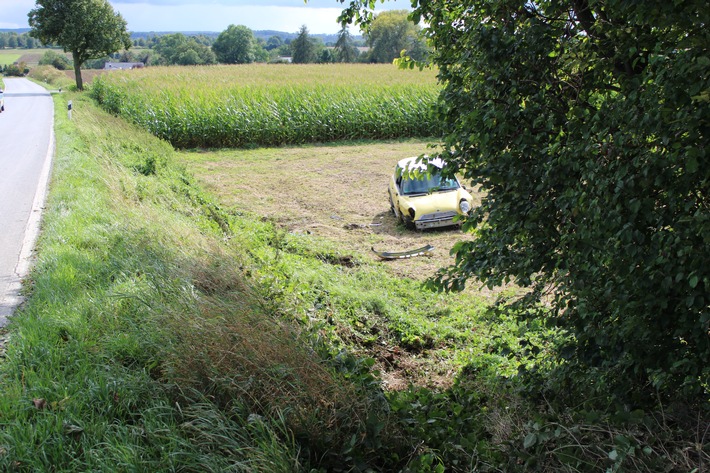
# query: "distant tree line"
390,34
13,40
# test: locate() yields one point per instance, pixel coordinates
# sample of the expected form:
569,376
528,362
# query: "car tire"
401,219
408,223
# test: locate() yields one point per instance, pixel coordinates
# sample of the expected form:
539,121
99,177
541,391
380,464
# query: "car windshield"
428,183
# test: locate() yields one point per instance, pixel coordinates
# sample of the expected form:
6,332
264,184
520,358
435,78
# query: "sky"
319,16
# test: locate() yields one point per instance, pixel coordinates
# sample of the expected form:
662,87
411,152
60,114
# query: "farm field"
335,192
273,105
8,57
30,57
184,315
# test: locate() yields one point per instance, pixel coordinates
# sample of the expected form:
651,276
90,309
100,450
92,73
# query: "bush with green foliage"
53,58
587,125
16,70
184,51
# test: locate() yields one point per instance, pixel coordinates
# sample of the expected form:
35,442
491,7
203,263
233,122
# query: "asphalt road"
26,148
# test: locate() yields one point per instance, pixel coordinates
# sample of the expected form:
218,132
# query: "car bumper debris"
424,250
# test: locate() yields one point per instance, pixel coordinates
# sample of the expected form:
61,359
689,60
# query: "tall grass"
273,105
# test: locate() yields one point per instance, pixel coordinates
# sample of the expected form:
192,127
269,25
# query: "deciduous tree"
87,28
182,50
586,123
235,45
390,33
273,42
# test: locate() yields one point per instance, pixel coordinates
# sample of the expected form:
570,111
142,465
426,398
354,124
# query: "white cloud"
13,13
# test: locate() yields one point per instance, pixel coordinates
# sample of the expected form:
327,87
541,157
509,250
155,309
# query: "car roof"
412,164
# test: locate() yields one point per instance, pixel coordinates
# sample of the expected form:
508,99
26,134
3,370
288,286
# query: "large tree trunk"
77,70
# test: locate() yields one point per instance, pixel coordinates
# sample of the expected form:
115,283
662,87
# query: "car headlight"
464,206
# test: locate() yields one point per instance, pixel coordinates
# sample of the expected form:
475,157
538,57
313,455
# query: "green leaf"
530,440
691,164
693,281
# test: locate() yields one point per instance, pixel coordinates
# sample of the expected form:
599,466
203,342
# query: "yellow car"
420,197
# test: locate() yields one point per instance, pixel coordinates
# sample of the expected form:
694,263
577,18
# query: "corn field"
273,105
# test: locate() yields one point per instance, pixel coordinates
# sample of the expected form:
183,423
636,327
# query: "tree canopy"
390,33
182,50
586,124
303,48
345,49
88,29
235,45
13,40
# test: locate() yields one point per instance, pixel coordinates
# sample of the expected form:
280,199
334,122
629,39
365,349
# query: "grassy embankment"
164,333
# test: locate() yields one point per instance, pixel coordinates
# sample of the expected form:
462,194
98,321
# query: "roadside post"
69,109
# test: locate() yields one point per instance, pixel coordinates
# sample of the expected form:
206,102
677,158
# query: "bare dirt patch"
334,192
31,59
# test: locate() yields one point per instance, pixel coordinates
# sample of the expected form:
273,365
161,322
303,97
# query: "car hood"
436,202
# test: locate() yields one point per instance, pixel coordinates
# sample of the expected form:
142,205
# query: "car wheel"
408,223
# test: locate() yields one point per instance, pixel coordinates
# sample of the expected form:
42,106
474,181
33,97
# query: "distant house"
123,65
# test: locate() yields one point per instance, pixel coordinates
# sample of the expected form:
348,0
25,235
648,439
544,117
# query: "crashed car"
422,197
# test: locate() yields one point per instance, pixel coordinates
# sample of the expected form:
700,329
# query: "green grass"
164,332
50,76
30,56
7,58
85,382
